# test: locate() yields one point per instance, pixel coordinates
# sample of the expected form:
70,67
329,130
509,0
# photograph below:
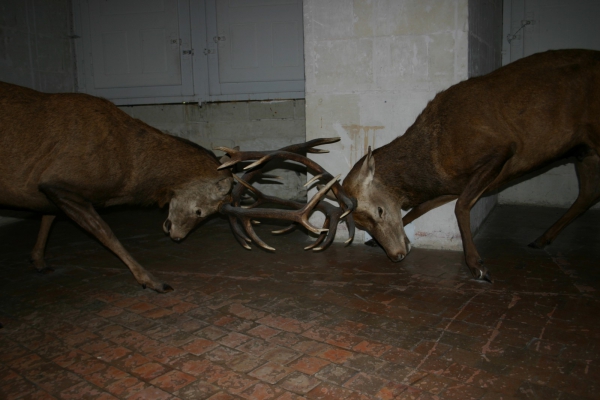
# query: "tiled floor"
342,324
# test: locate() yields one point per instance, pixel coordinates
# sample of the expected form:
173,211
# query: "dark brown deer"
74,153
478,135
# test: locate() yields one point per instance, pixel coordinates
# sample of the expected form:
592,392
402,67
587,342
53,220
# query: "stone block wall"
371,68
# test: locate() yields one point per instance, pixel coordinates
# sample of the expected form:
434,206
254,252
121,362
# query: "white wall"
371,67
555,24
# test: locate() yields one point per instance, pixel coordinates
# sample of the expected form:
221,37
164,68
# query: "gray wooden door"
259,47
135,48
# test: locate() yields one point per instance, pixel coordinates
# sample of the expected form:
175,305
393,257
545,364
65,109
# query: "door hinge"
190,52
209,51
218,39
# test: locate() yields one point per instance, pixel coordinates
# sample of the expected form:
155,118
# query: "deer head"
377,211
194,201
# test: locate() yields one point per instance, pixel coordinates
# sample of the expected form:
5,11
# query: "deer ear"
223,186
367,170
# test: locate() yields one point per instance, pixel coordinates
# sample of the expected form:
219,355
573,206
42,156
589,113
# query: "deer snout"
400,255
397,257
173,231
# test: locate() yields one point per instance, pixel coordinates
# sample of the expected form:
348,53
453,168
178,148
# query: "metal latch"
218,39
190,52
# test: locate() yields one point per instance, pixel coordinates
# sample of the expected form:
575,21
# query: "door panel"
134,43
260,47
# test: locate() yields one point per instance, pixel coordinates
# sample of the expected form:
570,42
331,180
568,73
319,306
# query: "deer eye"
198,213
380,211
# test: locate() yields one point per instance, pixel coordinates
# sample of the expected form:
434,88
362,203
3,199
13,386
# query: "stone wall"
371,68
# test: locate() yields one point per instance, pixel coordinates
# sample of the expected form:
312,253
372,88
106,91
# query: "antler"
299,212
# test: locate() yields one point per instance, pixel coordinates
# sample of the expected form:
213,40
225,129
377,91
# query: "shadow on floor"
345,323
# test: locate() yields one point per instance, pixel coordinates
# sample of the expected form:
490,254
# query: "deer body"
478,135
75,152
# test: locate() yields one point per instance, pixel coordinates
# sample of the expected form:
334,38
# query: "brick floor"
340,324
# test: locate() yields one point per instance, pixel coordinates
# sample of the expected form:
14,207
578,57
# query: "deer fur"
73,153
478,135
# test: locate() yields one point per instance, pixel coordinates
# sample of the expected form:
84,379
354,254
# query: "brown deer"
478,135
74,153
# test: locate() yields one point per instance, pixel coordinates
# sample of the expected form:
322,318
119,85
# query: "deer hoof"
483,275
46,270
41,266
487,277
538,244
480,272
160,288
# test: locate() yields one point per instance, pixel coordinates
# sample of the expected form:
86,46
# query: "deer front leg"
477,185
82,212
472,258
37,254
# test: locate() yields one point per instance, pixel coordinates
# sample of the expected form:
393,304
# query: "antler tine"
313,202
262,160
269,176
351,229
332,220
237,156
321,237
245,184
308,146
239,234
231,152
284,230
250,231
313,179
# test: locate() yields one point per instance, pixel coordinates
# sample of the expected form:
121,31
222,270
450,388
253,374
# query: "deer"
73,153
477,136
